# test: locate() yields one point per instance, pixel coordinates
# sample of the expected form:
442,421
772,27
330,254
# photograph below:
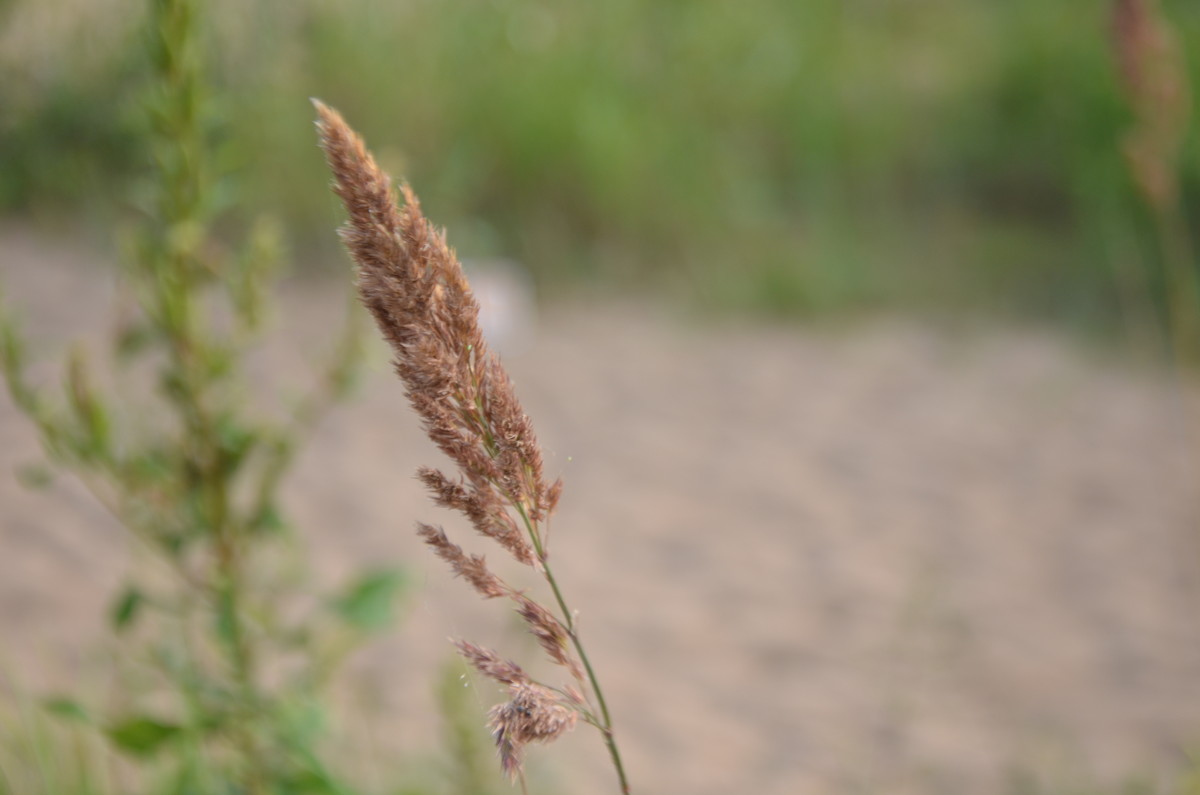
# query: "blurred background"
786,158
849,343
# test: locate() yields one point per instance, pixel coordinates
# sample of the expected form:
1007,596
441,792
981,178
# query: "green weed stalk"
195,475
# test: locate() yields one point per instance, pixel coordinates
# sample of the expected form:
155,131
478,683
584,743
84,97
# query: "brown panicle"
414,286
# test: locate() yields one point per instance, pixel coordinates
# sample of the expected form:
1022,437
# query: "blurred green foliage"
228,649
770,155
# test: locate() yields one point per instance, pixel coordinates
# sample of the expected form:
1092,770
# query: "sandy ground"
885,560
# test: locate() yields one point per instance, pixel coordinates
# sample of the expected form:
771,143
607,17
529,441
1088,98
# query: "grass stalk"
606,724
413,284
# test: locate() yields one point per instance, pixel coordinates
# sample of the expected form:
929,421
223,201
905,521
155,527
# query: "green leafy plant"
159,429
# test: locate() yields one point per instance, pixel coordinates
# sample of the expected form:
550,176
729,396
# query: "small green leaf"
132,340
141,735
218,362
150,466
303,719
367,603
126,608
35,476
66,708
94,430
309,782
235,441
227,619
268,520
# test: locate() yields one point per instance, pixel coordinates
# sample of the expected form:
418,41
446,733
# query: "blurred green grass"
779,157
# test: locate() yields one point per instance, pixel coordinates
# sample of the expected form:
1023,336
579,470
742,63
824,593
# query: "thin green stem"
606,730
1183,298
177,272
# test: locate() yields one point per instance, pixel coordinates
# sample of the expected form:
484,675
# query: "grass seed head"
532,714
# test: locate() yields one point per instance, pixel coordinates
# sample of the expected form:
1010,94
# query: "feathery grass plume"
1153,74
532,714
413,284
472,568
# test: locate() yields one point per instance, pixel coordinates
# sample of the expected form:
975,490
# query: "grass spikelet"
472,568
491,664
532,714
483,507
